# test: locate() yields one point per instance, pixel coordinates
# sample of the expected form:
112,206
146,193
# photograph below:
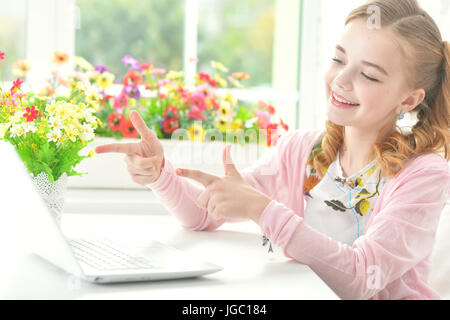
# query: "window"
150,31
12,35
239,34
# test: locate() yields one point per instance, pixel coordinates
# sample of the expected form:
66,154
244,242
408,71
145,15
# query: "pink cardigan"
390,260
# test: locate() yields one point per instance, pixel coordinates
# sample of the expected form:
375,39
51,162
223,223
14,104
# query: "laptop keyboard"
104,255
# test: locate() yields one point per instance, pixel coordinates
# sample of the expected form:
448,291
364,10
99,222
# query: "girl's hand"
230,196
145,159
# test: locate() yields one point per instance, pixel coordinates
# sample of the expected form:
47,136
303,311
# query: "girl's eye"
369,78
365,76
336,60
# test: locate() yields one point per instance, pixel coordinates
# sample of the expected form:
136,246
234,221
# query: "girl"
360,201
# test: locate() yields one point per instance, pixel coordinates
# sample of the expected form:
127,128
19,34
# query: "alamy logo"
374,20
373,281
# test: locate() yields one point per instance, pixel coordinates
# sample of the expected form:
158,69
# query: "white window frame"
57,32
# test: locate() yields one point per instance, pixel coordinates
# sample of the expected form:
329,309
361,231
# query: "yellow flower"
132,102
225,109
175,75
196,132
231,99
91,153
218,66
223,124
237,124
71,133
221,81
83,64
105,80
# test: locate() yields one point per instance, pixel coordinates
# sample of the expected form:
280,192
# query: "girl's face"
368,70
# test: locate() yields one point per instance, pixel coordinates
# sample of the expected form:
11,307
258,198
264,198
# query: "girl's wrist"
260,206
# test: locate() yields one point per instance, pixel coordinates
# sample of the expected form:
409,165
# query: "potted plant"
48,133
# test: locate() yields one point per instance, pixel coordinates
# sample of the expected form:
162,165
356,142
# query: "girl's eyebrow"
367,63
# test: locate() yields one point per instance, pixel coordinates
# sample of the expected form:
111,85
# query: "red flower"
272,134
206,77
284,125
170,125
184,93
116,121
128,130
2,55
145,66
215,104
104,99
16,85
132,77
265,106
171,112
31,114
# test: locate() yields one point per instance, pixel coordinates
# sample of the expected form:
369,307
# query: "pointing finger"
197,175
140,126
228,164
128,148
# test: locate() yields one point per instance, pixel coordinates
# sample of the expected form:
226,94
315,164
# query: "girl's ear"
413,100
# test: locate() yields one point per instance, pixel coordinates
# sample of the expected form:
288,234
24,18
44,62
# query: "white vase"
52,193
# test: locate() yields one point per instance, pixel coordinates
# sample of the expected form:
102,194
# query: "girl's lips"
344,99
341,105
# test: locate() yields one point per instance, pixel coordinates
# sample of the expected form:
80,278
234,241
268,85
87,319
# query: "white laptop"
94,260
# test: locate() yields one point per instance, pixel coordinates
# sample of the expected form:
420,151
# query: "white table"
249,271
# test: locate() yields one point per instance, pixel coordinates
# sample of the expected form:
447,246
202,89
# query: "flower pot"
52,193
110,170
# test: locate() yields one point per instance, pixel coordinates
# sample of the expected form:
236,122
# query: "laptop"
93,260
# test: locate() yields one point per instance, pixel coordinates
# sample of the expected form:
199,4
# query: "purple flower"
101,69
132,91
130,62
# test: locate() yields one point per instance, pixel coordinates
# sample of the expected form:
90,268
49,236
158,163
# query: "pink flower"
120,101
197,100
159,71
2,55
197,103
263,119
196,114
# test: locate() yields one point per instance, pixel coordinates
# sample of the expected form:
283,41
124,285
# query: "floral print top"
340,207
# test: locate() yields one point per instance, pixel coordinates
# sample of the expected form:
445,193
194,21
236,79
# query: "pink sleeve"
270,174
401,235
178,194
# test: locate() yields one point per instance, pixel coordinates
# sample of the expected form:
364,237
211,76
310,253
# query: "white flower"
29,127
16,130
87,133
54,135
55,122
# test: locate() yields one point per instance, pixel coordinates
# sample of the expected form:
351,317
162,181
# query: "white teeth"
343,101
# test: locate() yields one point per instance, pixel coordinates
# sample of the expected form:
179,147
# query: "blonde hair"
428,61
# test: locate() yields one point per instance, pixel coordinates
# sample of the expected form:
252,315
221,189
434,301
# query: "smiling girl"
360,201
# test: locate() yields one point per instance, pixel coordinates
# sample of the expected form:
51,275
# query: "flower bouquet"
171,106
48,132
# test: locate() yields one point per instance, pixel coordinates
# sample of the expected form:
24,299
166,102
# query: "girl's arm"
402,234
178,194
